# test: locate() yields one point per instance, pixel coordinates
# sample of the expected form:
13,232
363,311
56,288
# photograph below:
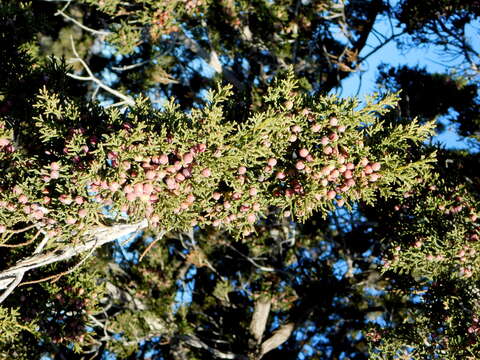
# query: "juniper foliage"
151,208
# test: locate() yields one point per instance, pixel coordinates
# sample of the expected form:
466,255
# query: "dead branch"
91,240
259,318
125,99
86,28
278,338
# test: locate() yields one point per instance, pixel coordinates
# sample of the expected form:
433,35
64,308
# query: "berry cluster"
153,165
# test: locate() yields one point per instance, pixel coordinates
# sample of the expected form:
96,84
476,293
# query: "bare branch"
14,279
149,247
86,28
92,239
59,275
126,99
195,342
259,318
249,259
17,278
278,338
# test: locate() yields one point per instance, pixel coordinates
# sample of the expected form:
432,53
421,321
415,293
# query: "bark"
259,318
92,239
278,338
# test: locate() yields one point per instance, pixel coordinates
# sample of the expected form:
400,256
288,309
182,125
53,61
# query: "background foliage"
277,220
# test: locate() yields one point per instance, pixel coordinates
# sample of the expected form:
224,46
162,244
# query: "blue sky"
432,58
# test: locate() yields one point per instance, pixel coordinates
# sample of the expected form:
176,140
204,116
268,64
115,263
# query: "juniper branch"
92,239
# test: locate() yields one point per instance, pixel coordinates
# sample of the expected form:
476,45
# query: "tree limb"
278,338
12,281
259,318
93,239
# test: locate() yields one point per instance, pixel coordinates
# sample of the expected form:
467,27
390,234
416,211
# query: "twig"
56,277
263,268
12,286
42,245
95,92
93,31
207,263
127,99
132,66
120,103
379,46
17,277
128,239
22,230
9,233
149,247
99,324
66,5
23,243
194,341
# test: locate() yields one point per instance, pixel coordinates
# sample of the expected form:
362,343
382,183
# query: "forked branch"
11,278
91,77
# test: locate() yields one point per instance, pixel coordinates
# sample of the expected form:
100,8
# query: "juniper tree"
297,222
